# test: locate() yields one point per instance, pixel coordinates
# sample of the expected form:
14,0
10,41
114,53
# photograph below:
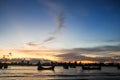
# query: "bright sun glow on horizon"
38,54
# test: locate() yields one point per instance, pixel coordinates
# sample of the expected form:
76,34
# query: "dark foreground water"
31,73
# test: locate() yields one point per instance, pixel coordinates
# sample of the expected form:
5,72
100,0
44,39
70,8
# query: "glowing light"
88,61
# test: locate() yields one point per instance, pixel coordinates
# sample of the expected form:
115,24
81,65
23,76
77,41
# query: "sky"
60,29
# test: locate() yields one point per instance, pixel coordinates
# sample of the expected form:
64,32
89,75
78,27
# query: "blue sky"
84,23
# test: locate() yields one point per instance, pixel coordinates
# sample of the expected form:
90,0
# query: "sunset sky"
60,29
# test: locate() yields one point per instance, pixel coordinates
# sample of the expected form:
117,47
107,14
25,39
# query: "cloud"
79,56
99,49
32,44
113,40
60,22
111,52
93,49
56,9
48,39
73,56
100,53
111,48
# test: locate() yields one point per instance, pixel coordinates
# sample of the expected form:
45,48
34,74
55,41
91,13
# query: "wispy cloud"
60,22
57,10
113,40
59,18
32,44
48,39
73,56
113,48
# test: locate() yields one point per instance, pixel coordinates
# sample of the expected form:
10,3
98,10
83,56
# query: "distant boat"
72,66
40,67
65,66
91,67
3,65
44,68
118,66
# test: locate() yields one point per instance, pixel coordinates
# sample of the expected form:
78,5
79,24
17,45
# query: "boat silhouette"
118,66
65,66
46,68
3,65
72,65
40,67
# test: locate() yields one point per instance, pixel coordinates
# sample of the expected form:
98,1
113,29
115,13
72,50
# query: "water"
31,73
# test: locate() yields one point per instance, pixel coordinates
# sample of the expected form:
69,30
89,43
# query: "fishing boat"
73,66
5,66
118,66
45,68
1,66
65,66
40,67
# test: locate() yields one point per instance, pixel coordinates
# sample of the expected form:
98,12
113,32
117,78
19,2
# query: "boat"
118,66
44,68
84,67
40,67
72,66
3,65
65,66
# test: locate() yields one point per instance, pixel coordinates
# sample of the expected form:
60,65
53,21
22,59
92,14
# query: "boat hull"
43,68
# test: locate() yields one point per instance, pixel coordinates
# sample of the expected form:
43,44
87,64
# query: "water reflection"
31,73
46,72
